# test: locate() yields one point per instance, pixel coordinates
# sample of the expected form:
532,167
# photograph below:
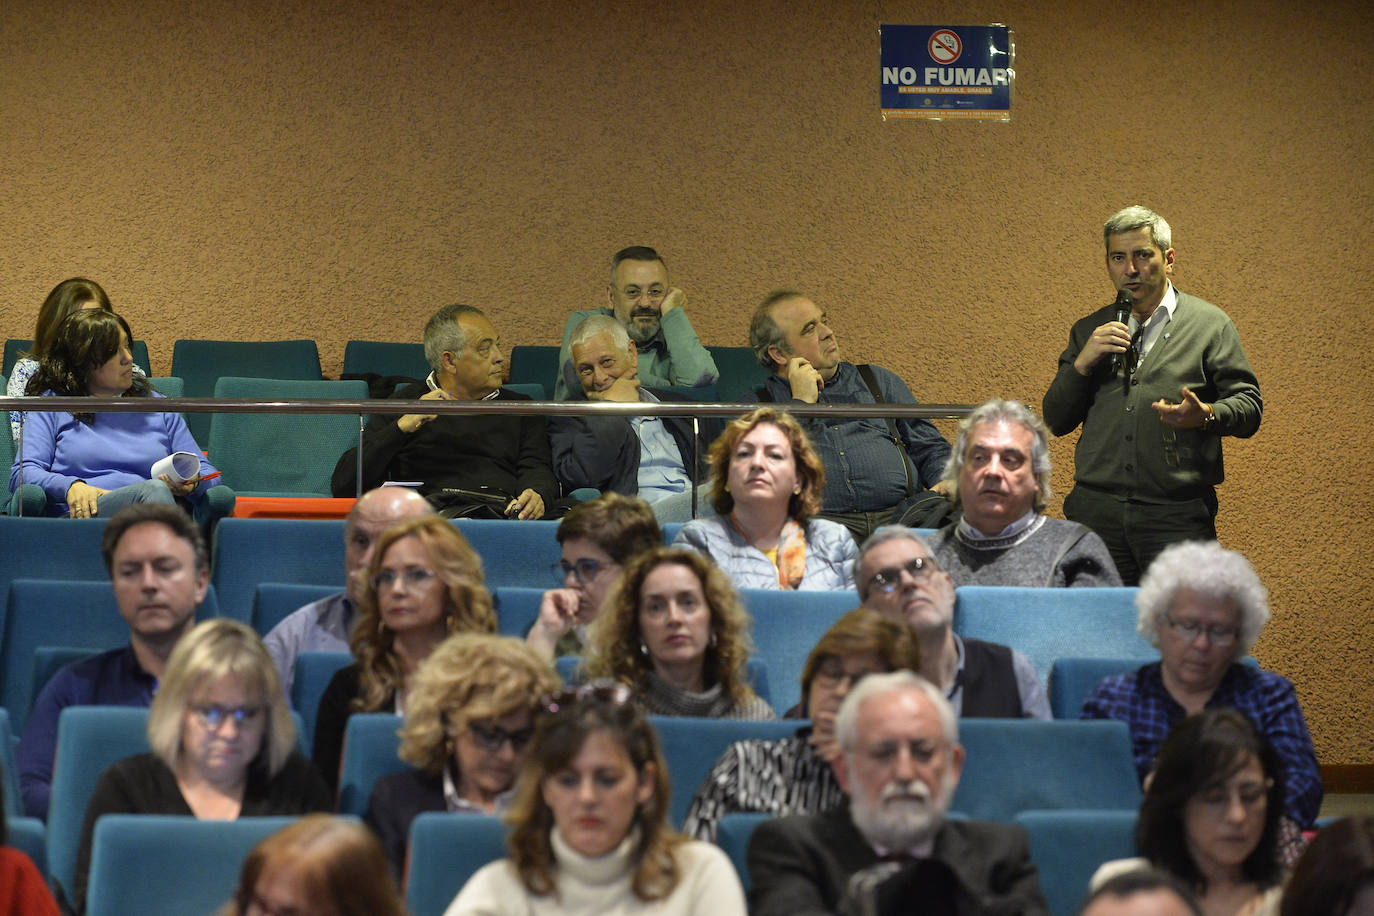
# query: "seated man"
999,472
159,570
794,776
655,317
645,456
481,465
324,625
599,538
890,849
876,471
897,577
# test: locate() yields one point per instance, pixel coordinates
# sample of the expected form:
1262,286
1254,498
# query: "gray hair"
443,333
593,325
764,332
847,718
882,535
1209,569
999,411
1138,217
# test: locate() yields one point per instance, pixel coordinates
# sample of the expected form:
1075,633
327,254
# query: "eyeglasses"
830,673
493,737
1190,630
583,571
1217,798
888,579
414,577
212,716
886,752
612,693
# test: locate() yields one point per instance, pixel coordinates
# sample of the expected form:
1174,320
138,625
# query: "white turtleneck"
590,886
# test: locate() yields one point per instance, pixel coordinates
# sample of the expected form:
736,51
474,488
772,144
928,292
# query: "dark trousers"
1135,532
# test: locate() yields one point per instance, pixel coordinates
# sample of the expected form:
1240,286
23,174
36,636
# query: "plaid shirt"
1140,700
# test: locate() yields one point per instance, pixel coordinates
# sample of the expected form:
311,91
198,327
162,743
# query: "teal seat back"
385,358
201,363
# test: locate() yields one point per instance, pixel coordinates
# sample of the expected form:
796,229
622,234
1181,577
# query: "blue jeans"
147,491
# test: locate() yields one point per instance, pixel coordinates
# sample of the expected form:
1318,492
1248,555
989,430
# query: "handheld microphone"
1123,311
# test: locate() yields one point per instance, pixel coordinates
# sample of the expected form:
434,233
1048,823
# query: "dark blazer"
801,865
603,452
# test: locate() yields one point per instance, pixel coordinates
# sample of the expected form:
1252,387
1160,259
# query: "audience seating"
1016,765
274,601
247,551
75,614
445,851
310,508
314,670
369,752
1068,846
282,454
516,609
201,362
29,836
787,625
385,358
49,548
732,836
740,372
89,739
15,346
692,746
532,390
534,364
1047,623
514,553
145,863
9,785
1072,679
171,386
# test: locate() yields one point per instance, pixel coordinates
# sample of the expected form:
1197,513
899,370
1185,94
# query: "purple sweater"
116,450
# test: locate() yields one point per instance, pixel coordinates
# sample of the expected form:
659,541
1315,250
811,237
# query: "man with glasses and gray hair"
890,849
1155,379
1203,606
999,473
897,577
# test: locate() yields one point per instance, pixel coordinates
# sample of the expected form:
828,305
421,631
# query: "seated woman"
469,717
91,464
223,743
1204,607
1335,876
674,632
319,866
588,825
424,583
66,297
766,483
793,775
598,537
1210,816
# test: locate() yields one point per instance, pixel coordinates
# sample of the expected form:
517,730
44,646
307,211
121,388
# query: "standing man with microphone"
1155,385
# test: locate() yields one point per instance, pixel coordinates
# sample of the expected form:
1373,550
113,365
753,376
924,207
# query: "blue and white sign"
946,72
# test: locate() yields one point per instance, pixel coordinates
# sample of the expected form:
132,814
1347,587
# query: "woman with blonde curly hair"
589,830
766,483
223,743
673,631
469,718
424,583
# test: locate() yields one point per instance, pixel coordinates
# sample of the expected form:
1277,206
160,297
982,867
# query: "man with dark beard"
890,849
655,316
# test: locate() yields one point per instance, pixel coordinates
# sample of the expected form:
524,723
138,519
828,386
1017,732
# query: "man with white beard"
890,849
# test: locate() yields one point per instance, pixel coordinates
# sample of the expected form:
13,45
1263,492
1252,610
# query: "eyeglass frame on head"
602,690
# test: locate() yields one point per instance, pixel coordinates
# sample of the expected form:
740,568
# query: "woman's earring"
643,649
713,639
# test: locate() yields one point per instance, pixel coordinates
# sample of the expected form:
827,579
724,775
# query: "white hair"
1209,569
847,718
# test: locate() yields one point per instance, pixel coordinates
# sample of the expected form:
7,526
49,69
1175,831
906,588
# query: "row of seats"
132,855
1013,766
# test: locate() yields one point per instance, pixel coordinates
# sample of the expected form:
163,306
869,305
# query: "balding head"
374,512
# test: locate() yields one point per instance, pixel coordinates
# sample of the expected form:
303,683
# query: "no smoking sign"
945,47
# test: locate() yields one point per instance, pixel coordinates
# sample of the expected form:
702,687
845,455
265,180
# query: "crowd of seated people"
799,504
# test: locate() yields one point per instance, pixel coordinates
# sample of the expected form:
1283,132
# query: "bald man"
324,625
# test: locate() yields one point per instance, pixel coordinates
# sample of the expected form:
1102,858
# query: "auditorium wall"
339,169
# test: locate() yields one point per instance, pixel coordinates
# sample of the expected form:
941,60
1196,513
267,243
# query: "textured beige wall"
339,169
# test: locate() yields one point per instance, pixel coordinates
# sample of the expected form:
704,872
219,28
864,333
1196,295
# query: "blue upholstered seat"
445,851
